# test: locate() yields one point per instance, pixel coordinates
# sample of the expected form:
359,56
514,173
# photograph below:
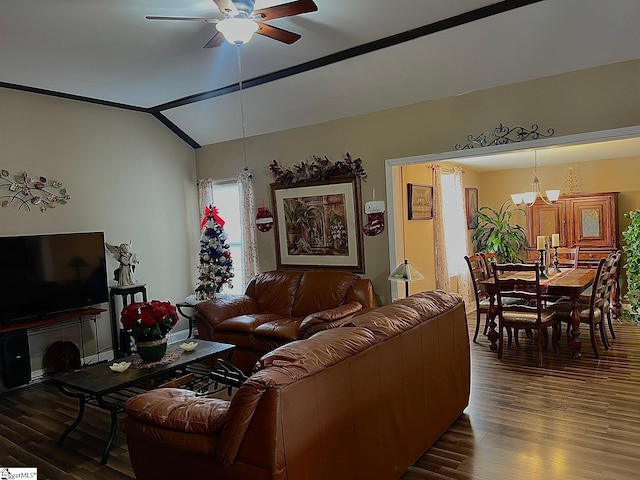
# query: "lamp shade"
516,198
529,197
237,31
406,272
553,195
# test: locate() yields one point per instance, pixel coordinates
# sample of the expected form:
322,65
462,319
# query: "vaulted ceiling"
354,57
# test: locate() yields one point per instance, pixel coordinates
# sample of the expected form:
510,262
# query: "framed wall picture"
420,200
319,225
471,206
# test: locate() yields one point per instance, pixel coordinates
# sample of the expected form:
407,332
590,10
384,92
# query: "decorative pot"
152,351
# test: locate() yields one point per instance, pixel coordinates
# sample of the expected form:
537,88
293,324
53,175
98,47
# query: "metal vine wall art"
502,134
29,191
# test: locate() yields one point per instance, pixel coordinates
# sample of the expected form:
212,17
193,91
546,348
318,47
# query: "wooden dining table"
568,283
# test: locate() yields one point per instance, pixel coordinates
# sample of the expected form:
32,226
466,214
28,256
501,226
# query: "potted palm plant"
496,233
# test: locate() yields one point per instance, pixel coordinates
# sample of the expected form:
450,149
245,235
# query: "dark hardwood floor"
569,420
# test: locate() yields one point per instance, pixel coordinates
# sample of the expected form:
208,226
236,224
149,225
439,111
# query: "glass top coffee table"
101,386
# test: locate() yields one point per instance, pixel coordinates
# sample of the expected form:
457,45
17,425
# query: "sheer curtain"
450,231
247,218
205,195
439,240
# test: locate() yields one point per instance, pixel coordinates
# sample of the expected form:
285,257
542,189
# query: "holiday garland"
317,168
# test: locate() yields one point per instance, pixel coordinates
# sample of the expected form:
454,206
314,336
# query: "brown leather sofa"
361,401
279,307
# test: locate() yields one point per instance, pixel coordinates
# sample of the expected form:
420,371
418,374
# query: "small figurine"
128,261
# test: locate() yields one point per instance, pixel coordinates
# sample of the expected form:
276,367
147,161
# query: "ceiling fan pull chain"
244,133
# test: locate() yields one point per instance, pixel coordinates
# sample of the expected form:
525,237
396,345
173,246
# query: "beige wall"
584,101
127,175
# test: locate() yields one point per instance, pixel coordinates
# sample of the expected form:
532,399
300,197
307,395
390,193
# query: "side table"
119,336
181,306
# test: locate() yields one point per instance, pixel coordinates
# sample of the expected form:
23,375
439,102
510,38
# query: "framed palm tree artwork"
319,224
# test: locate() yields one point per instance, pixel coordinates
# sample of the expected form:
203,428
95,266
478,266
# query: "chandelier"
529,198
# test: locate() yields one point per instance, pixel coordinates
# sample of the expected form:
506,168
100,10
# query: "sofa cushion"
285,329
179,410
321,290
275,291
305,357
387,321
326,319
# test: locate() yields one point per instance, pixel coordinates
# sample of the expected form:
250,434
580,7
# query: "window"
227,199
454,223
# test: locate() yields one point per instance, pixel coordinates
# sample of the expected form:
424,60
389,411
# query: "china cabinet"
588,221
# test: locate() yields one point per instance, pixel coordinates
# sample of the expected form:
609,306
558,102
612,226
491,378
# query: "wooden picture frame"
420,201
471,207
319,225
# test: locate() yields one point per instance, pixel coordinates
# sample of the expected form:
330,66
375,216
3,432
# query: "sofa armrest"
179,410
326,319
211,312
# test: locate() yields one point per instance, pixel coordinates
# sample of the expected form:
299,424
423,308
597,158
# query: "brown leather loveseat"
279,307
358,402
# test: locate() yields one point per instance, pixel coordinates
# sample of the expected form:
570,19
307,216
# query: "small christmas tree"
216,267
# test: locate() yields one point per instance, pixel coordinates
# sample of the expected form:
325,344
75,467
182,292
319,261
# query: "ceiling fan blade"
191,19
214,41
286,10
277,33
227,7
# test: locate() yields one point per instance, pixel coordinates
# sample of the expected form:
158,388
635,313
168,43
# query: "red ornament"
264,220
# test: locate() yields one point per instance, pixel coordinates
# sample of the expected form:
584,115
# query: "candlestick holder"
542,267
555,268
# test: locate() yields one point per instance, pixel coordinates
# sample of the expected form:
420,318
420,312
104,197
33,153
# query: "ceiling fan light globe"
237,31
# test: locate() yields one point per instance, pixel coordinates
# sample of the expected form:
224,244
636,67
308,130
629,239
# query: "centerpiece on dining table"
149,323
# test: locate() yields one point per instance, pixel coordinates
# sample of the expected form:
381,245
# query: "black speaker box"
16,364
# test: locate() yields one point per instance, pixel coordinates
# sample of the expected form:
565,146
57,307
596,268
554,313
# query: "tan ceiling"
107,51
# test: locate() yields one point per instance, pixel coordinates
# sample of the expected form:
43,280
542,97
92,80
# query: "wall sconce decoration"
29,191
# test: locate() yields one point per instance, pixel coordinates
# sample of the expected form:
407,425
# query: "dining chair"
478,274
613,264
568,257
489,258
522,281
591,313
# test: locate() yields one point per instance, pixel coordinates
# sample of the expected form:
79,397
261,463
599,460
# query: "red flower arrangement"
149,320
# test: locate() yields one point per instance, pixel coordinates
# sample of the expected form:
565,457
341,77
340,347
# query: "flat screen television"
45,275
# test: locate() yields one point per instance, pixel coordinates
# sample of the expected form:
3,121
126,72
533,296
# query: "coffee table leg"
574,340
113,410
76,422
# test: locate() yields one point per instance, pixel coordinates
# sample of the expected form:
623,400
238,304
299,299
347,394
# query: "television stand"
16,367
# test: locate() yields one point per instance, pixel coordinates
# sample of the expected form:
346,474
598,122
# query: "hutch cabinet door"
591,221
543,219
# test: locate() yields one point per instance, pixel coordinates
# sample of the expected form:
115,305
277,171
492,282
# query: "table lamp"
406,272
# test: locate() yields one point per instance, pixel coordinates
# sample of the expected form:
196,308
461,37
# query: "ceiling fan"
241,21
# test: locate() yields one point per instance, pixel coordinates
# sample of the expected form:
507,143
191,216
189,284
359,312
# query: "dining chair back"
568,257
522,281
478,274
612,289
489,258
592,312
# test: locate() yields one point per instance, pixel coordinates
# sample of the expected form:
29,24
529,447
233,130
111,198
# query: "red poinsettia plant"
149,320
